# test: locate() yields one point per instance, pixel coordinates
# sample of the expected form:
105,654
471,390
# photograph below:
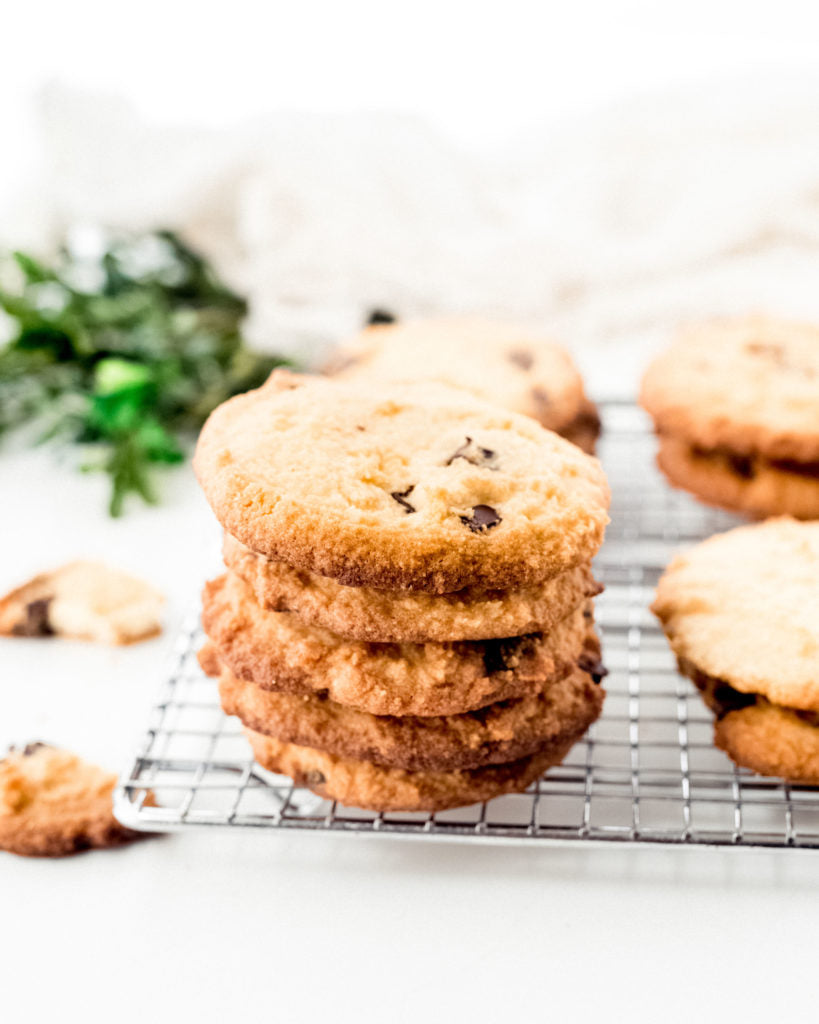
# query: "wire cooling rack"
646,772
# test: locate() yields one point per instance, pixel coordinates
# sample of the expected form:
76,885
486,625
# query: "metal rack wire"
646,772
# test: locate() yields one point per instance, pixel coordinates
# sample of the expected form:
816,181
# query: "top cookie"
501,362
743,607
416,486
749,383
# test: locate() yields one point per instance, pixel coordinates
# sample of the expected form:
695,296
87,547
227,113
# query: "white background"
312,928
483,73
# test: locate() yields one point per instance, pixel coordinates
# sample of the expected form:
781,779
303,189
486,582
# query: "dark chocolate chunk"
807,469
314,778
28,749
36,621
586,422
742,465
400,497
725,698
504,653
380,316
494,656
737,462
474,454
593,666
521,357
720,696
483,518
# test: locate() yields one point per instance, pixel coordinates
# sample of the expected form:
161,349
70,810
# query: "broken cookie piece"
52,803
84,600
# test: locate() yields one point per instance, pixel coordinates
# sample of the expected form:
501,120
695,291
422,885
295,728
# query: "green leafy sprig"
124,347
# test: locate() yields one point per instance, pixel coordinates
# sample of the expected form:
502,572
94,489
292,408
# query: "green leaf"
111,375
33,271
125,354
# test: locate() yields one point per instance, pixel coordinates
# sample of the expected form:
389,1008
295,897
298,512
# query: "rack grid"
646,772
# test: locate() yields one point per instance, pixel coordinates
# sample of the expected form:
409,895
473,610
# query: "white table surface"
209,926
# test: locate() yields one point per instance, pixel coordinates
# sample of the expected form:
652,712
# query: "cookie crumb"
52,804
83,600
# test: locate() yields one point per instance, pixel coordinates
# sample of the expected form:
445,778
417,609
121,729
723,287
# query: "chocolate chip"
314,778
586,422
521,357
720,696
399,496
808,469
742,465
593,666
359,427
725,698
504,654
28,749
36,621
474,454
494,656
380,316
483,518
540,398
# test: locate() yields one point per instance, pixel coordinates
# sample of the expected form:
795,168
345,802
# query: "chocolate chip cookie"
408,616
416,487
736,406
52,804
279,652
507,731
84,600
505,363
363,784
741,612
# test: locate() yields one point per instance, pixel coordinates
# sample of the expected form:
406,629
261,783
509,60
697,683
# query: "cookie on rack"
741,613
735,403
415,486
52,803
363,784
502,362
278,651
407,616
503,732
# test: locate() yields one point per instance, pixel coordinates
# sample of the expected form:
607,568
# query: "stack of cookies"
735,403
406,622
